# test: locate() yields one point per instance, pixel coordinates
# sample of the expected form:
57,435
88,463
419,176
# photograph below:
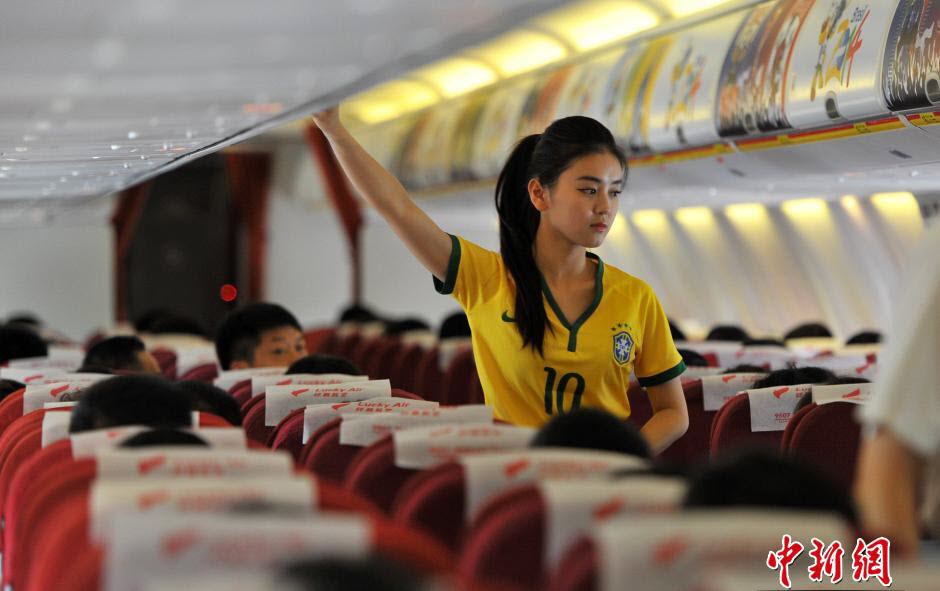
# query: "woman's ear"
538,195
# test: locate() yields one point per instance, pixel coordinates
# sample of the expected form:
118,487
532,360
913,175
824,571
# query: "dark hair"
763,342
676,332
344,574
745,368
26,319
457,325
544,157
807,398
792,376
319,363
18,342
240,332
131,400
114,353
176,324
808,330
8,387
143,322
207,398
397,327
866,337
357,313
764,479
592,428
692,358
161,437
94,369
727,332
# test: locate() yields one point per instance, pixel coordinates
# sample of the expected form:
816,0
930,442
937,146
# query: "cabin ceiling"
100,94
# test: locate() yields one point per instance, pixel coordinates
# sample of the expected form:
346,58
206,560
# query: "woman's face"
583,202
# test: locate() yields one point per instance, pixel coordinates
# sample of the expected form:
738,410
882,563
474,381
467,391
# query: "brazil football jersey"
587,361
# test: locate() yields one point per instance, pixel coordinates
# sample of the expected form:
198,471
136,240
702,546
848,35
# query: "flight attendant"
554,328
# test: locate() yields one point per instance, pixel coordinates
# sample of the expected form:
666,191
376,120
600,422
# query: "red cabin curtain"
249,175
130,205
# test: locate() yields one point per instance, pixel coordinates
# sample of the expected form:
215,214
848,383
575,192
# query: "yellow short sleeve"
472,273
657,359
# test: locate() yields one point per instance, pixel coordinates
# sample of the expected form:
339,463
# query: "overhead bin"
686,89
467,124
836,66
426,155
583,92
912,57
540,106
628,97
755,77
496,132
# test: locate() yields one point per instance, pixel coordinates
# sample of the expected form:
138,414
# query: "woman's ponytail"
518,223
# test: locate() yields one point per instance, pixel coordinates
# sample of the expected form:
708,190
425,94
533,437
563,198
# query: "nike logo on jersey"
507,317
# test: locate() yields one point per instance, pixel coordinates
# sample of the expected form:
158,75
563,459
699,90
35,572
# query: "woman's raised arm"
424,238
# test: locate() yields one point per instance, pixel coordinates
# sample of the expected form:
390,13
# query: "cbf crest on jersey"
623,344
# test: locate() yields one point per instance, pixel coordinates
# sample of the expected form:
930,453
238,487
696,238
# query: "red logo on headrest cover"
299,392
727,379
341,405
178,542
150,464
608,509
28,379
781,392
56,391
853,394
514,468
151,500
667,552
286,382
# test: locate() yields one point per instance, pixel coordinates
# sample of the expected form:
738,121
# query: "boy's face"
279,347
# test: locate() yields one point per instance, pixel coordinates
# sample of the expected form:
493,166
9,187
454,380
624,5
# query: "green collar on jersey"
598,293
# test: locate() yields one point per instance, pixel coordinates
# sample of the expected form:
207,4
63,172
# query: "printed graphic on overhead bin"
911,62
583,92
755,77
686,89
467,125
425,154
629,93
540,106
496,134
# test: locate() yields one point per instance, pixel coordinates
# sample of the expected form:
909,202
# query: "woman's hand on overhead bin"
327,119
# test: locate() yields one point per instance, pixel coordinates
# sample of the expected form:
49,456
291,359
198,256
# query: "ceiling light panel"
593,23
117,90
520,51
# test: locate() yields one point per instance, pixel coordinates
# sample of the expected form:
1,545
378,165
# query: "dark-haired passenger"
591,428
693,358
259,335
19,342
319,363
809,330
121,353
207,398
131,400
554,328
727,332
792,376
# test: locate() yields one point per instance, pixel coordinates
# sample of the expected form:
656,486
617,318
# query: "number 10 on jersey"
555,390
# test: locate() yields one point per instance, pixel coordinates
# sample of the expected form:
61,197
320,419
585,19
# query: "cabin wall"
62,273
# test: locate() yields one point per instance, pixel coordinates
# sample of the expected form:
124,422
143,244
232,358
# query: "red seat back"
382,360
11,408
288,435
732,428
166,359
253,420
428,375
433,501
404,373
319,340
325,457
828,437
795,420
374,475
202,373
458,384
577,571
692,447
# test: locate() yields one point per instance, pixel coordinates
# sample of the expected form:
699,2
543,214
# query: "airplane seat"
251,402
253,421
795,420
577,570
11,408
326,457
320,340
202,373
456,386
505,542
429,378
399,393
346,346
241,392
433,501
364,353
732,428
404,373
207,419
26,445
828,437
166,360
374,475
63,541
288,434
380,364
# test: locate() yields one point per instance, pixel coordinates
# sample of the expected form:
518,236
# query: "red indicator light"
228,293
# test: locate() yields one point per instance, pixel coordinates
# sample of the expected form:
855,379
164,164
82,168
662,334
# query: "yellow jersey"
587,362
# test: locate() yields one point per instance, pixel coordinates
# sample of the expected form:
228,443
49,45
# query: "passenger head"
808,330
592,428
792,376
866,337
131,400
676,332
8,387
727,332
399,327
764,479
162,437
25,319
568,178
18,342
144,322
321,364
347,574
763,342
807,398
358,314
207,398
745,368
259,335
121,353
692,358
455,326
